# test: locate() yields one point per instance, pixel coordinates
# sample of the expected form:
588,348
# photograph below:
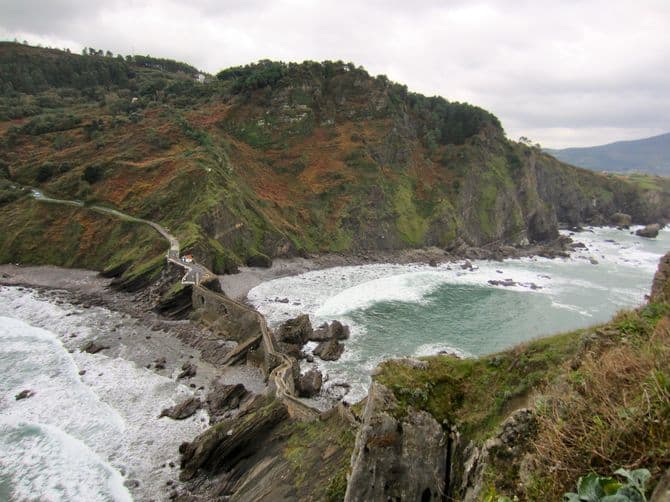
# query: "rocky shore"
95,322
238,285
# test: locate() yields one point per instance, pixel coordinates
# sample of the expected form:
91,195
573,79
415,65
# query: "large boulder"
650,231
188,370
296,331
224,398
310,383
621,220
259,260
182,410
339,330
397,458
326,331
93,347
330,350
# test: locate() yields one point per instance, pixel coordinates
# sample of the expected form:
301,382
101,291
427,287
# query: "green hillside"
270,159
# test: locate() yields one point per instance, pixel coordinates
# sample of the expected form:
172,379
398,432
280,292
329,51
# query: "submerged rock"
506,282
182,410
467,265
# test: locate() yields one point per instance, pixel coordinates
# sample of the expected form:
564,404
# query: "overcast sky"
562,72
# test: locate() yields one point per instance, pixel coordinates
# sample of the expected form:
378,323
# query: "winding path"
195,273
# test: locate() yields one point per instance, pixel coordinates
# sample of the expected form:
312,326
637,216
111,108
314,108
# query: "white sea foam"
573,308
587,287
113,408
45,463
431,349
410,287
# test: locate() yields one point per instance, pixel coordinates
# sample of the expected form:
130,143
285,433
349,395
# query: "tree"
93,173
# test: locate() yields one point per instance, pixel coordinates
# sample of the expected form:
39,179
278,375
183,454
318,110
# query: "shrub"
93,173
594,488
45,173
50,123
61,142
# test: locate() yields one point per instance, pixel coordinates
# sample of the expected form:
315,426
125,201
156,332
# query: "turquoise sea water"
412,310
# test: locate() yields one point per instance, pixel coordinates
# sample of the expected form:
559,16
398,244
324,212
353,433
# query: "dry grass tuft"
614,411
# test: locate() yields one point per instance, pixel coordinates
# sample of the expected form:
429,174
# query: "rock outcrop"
660,288
224,446
326,331
182,410
397,458
649,231
542,225
295,331
330,350
310,383
223,398
470,461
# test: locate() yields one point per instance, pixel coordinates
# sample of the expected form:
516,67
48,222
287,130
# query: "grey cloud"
571,69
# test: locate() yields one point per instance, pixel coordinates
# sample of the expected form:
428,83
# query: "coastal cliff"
269,160
529,421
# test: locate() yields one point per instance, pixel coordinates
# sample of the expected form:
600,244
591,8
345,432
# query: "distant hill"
649,155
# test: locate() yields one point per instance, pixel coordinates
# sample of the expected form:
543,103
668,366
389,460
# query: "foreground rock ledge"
397,458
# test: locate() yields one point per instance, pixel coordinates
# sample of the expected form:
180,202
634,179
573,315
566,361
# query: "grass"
614,409
410,224
476,394
321,450
649,182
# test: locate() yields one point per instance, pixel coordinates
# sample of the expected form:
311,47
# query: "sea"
418,310
91,430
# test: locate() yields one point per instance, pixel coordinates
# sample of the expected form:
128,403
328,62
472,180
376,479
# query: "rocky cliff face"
503,423
279,159
397,458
